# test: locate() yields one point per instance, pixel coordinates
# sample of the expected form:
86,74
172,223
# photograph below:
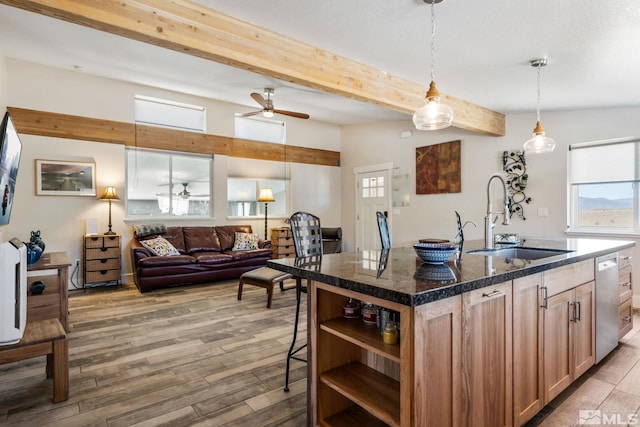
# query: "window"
604,190
168,184
164,113
373,187
247,176
242,196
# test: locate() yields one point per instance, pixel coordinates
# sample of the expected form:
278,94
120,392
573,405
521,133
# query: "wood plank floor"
195,356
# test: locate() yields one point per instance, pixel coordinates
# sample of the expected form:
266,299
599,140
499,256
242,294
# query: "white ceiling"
483,49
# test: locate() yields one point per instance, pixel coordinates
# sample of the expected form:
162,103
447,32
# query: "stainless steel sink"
519,252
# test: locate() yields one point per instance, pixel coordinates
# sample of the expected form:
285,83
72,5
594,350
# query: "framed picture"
60,178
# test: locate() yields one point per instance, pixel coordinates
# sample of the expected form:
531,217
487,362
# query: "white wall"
433,215
61,220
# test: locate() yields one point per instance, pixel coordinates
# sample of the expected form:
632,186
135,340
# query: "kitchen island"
483,340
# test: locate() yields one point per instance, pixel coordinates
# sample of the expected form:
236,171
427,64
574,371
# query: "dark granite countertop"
398,275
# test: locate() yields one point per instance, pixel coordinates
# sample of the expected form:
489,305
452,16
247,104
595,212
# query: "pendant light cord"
433,40
538,107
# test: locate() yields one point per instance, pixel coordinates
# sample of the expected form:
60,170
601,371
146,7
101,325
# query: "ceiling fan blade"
292,114
259,99
253,113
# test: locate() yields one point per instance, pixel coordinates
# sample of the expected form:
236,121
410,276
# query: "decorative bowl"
434,253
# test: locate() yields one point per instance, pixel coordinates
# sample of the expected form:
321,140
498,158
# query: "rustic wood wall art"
438,168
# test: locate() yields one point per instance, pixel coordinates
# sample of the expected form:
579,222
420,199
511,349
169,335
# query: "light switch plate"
543,212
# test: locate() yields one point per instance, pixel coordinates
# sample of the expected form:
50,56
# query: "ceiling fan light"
539,143
267,113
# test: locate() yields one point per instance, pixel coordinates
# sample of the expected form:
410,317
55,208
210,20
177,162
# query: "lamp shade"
539,143
433,115
266,195
109,194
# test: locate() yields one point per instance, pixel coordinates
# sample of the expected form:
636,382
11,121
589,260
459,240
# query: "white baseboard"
636,301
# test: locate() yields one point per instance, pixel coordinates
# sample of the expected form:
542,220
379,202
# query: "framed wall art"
61,178
438,168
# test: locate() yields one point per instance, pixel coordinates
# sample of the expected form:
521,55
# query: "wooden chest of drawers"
102,259
282,243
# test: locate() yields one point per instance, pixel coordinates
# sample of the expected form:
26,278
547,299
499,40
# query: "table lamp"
266,196
110,195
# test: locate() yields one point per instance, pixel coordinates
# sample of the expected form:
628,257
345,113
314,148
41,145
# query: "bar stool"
307,242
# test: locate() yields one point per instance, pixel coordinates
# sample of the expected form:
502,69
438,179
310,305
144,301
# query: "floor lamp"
266,196
110,195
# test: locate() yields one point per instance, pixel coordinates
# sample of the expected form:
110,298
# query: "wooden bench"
44,338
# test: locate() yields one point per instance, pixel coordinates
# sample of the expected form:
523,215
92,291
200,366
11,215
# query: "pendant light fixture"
433,114
539,143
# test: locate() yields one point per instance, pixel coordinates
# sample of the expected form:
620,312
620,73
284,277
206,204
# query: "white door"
373,193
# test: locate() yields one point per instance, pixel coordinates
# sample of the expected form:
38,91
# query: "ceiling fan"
267,106
185,193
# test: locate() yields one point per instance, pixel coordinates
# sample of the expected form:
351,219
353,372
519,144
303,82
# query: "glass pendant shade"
433,115
539,143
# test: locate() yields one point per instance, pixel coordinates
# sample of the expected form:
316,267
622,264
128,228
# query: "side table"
53,302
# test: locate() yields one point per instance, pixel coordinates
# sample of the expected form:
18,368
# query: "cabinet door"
437,363
528,391
487,356
557,333
584,348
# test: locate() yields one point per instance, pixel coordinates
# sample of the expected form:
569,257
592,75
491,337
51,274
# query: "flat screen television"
10,148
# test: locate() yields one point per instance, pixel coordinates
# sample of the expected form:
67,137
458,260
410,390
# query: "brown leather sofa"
206,255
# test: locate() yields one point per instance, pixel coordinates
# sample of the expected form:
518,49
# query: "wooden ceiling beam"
56,125
192,29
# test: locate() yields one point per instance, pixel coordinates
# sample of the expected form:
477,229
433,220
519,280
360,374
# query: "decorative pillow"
160,246
142,230
245,242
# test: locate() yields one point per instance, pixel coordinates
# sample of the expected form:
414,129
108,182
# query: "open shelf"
365,336
354,416
373,391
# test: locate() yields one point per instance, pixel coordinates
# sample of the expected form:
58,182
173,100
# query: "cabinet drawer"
277,233
624,281
102,253
102,241
625,318
102,276
283,250
102,264
282,241
625,257
564,278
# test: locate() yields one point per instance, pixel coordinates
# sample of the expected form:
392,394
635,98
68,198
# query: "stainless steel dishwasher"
607,294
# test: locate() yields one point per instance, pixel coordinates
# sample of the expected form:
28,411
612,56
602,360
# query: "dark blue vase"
34,252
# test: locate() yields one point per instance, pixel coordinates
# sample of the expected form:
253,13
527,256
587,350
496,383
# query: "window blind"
604,161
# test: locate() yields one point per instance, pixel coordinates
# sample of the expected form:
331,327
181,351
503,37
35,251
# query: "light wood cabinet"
625,280
528,387
353,369
569,337
101,259
487,356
